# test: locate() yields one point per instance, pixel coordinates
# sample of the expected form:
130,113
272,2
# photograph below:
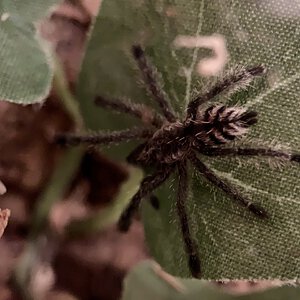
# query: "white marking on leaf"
4,17
188,71
210,66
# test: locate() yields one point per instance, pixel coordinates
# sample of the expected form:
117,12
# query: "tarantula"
169,143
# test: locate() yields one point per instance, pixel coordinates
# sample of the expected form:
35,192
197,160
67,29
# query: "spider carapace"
169,143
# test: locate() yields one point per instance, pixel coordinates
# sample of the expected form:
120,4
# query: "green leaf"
25,67
148,282
232,243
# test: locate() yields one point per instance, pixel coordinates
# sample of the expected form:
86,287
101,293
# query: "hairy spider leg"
104,138
148,185
190,244
148,74
230,81
268,152
139,111
225,187
132,159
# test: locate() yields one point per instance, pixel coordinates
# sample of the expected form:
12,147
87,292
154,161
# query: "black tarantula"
170,142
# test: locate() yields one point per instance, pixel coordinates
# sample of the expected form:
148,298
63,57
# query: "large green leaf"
232,243
25,69
148,282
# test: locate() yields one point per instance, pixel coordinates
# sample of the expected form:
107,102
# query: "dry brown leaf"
2,188
4,215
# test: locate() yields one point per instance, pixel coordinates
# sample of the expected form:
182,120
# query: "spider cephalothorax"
169,142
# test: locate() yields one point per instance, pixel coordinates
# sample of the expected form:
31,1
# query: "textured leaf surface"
232,243
145,282
25,72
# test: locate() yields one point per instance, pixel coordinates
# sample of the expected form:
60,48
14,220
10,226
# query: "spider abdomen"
220,124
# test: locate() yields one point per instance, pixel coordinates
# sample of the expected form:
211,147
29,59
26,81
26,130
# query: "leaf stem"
61,87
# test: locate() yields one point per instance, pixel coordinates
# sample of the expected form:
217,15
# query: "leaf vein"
189,71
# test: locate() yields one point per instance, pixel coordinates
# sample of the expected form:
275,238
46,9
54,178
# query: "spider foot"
194,265
137,51
258,210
